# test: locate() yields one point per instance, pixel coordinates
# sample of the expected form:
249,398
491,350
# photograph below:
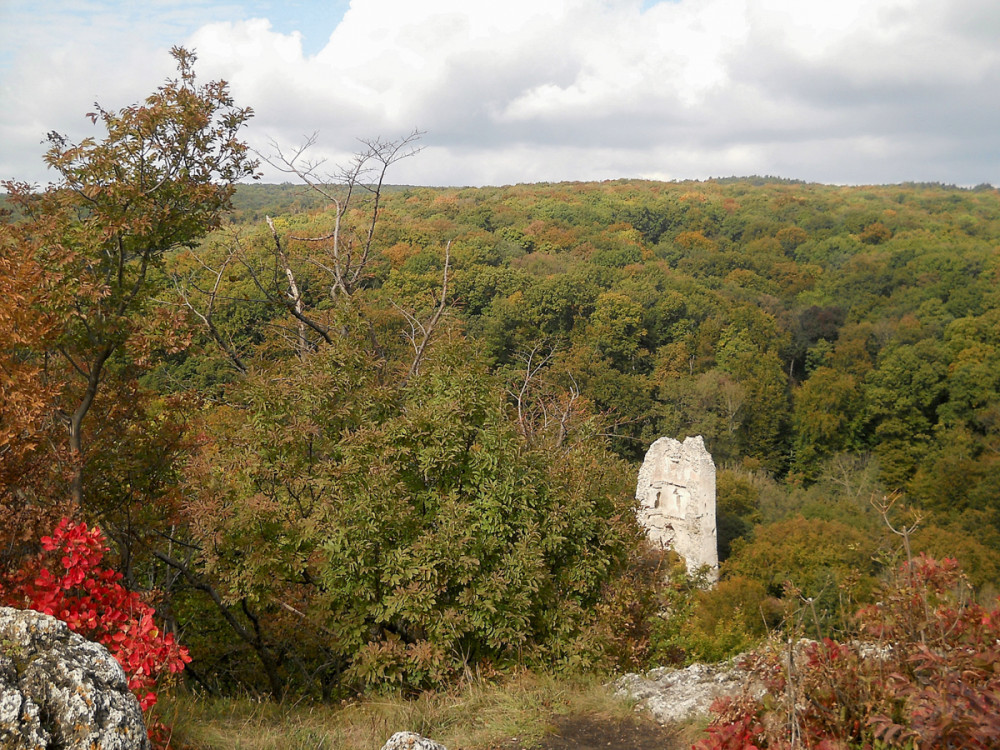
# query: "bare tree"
544,407
206,312
344,255
362,180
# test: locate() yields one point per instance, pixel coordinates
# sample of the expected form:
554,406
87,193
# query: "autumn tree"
160,179
29,322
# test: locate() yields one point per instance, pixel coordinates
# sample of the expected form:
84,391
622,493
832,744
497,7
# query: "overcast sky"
837,91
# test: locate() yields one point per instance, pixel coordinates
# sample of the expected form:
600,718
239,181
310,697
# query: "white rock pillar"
676,494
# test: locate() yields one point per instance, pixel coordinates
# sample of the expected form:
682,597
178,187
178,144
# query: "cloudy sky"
838,91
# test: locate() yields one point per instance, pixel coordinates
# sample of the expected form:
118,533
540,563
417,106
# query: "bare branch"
367,170
227,347
294,295
574,394
532,366
428,329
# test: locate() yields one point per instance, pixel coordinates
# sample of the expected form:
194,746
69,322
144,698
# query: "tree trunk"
76,422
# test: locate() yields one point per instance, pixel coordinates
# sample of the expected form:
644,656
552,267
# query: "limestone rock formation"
411,741
59,690
672,695
676,494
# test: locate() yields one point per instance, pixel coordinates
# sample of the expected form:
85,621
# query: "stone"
411,741
676,695
59,690
676,494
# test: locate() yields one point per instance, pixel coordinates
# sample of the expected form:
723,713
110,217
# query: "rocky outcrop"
411,741
59,690
672,695
676,494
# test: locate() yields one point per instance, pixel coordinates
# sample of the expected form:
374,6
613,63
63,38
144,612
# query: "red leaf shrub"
925,672
66,580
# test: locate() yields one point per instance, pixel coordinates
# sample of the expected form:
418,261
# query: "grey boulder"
674,695
59,690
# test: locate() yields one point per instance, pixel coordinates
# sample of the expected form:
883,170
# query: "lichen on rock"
676,695
411,741
58,689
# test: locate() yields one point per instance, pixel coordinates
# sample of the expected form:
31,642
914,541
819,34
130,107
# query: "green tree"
616,329
901,396
814,556
763,381
825,419
379,533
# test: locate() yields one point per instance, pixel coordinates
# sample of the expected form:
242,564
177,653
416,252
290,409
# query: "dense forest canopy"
363,436
832,344
788,323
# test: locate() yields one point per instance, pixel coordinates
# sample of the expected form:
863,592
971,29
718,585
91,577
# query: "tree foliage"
388,533
160,179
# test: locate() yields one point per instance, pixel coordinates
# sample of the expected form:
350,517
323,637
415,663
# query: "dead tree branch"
421,330
351,252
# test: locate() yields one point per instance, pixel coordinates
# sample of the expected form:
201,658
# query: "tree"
825,419
901,398
304,275
815,555
350,247
31,304
616,329
160,179
370,533
759,372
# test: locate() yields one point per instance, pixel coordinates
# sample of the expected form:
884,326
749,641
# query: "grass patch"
476,716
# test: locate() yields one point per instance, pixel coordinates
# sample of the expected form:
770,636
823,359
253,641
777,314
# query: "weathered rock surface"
676,494
411,741
680,694
59,690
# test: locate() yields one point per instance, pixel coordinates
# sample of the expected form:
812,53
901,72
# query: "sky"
514,91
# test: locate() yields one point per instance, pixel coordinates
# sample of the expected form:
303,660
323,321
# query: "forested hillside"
361,438
815,335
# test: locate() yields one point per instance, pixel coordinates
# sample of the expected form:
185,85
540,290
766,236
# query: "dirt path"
583,733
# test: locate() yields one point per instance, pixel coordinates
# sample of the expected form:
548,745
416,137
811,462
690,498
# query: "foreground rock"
681,694
59,690
676,494
411,741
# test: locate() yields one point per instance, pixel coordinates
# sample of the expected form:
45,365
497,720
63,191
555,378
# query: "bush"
711,625
393,534
925,669
67,581
825,560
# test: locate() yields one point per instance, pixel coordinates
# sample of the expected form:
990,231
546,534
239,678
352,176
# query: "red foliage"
66,580
927,673
736,726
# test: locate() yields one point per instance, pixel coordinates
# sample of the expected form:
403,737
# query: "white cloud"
831,90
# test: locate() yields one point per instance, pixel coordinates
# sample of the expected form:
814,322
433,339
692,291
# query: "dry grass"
478,716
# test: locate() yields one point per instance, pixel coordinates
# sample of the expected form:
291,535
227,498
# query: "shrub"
710,625
823,558
926,669
394,534
68,581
